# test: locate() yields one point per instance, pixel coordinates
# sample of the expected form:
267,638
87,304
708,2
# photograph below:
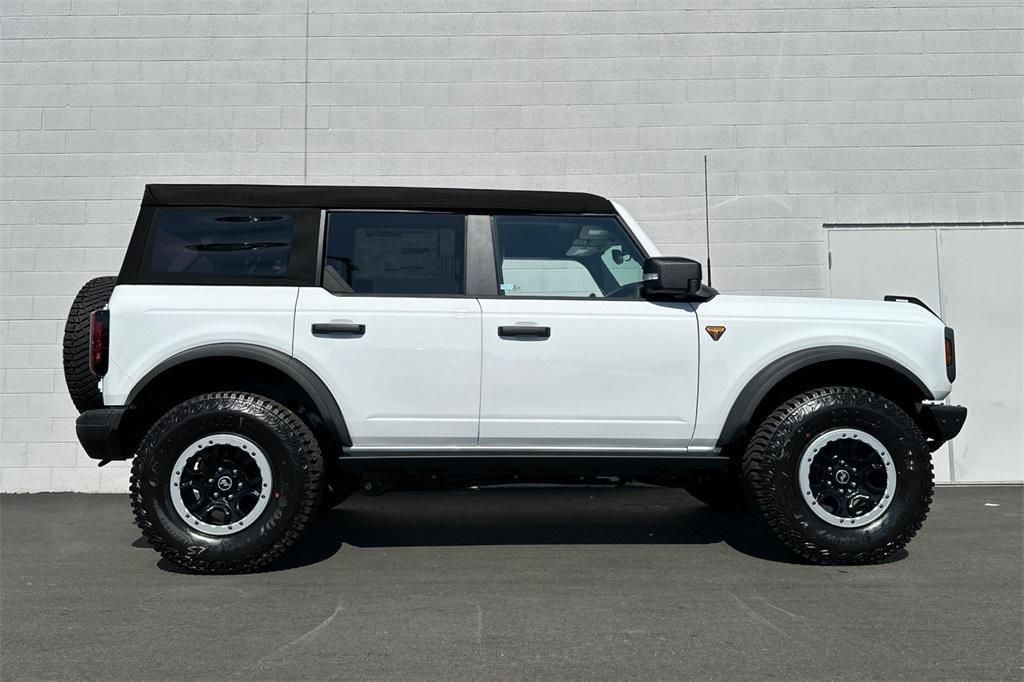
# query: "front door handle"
525,330
338,329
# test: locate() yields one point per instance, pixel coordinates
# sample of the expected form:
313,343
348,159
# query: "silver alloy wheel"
836,490
251,477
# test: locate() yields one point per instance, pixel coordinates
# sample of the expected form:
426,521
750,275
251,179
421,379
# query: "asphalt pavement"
548,583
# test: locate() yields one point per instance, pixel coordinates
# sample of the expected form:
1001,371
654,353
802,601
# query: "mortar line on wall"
305,105
982,223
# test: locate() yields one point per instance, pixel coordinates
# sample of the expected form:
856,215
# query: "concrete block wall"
811,111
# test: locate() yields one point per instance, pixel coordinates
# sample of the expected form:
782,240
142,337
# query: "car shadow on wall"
528,516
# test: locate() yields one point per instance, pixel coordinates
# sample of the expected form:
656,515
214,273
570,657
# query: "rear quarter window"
225,245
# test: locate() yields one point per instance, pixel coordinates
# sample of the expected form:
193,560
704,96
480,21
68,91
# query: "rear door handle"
524,330
338,329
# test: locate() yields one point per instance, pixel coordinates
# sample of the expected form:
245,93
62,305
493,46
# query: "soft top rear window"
225,245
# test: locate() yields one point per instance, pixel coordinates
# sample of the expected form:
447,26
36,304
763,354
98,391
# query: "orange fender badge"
715,331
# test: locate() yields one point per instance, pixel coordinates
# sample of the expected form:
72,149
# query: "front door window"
566,257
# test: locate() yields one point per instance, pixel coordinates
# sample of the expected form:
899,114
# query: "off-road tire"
83,385
772,457
295,460
720,491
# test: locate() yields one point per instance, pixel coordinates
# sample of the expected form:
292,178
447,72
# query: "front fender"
766,338
769,377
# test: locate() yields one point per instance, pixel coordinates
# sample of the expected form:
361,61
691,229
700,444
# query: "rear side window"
247,246
412,254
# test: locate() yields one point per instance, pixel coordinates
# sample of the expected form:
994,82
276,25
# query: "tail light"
99,339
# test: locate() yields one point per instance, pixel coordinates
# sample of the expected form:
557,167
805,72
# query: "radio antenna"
707,218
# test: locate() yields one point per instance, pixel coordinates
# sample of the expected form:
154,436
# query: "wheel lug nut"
234,472
210,481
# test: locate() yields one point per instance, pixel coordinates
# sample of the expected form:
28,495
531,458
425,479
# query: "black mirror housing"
675,278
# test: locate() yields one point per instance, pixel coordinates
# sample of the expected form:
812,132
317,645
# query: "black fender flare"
306,378
773,373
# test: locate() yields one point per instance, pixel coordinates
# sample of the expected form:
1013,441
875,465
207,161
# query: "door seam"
480,384
295,316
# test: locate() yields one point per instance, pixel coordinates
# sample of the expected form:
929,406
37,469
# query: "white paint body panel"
413,379
151,323
613,374
762,329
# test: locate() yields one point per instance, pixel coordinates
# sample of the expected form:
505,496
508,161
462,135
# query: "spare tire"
83,385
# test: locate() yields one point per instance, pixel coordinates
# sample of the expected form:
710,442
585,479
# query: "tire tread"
759,483
309,499
83,385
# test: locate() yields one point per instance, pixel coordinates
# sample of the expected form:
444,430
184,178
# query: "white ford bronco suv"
267,350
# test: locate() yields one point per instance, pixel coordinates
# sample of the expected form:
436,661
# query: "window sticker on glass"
396,253
410,254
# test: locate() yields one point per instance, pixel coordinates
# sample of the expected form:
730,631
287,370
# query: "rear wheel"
840,475
226,482
83,385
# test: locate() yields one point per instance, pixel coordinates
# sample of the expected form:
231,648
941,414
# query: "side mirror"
674,278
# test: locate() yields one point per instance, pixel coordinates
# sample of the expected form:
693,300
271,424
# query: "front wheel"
226,482
840,475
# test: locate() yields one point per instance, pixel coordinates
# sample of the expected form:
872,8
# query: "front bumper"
99,432
940,423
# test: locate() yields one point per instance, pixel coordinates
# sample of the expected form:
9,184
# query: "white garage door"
971,276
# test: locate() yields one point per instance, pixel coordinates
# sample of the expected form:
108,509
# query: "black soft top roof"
391,198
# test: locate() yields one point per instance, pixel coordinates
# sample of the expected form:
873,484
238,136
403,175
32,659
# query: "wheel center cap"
225,483
843,476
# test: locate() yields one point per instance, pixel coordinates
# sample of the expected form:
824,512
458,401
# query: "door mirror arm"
673,278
